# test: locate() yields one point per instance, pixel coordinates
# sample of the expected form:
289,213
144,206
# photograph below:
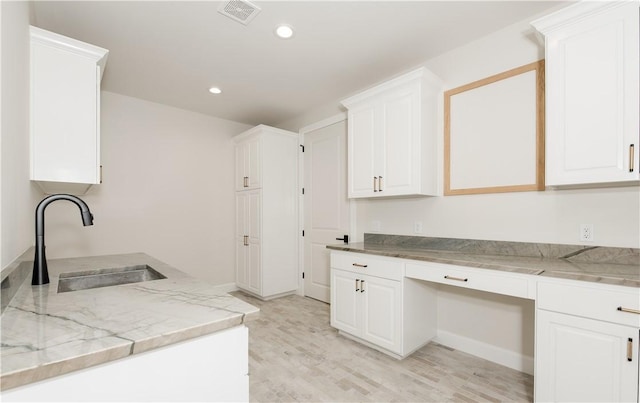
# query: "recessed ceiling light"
284,31
215,90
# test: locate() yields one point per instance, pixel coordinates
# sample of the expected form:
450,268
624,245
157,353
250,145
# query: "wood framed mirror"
494,133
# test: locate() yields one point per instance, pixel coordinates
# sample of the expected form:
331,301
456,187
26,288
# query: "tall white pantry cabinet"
266,211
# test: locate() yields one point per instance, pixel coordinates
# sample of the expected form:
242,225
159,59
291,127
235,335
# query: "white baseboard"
489,352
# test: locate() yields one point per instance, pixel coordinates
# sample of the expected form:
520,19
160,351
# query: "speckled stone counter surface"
46,333
618,266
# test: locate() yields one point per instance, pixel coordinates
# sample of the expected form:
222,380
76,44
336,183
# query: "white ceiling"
171,52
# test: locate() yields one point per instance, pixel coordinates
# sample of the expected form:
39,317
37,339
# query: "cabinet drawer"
591,302
366,264
476,279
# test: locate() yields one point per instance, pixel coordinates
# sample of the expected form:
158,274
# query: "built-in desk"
587,308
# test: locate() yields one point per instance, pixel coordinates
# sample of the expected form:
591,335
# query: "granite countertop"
46,333
618,266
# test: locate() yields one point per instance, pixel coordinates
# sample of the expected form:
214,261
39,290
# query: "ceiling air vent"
241,11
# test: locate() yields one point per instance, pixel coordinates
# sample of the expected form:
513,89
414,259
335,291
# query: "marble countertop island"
618,266
46,333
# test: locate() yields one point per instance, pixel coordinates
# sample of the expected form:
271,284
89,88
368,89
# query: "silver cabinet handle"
359,265
245,182
375,183
629,349
632,158
246,240
357,285
456,278
379,183
361,285
629,310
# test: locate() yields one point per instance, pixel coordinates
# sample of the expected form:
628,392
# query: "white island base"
214,367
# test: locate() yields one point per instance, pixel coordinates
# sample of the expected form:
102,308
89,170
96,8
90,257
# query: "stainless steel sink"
106,277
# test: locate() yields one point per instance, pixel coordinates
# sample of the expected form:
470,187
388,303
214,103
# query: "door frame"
301,207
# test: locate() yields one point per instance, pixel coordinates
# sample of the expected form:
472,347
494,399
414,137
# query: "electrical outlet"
586,233
417,227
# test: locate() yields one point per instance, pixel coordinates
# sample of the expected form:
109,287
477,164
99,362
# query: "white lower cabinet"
369,308
372,302
587,334
587,348
585,360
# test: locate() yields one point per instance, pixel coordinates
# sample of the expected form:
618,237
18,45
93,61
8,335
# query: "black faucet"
40,272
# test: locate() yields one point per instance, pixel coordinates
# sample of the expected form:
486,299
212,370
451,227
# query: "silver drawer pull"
629,310
359,265
456,278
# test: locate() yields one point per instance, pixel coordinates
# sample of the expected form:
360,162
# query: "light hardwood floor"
294,355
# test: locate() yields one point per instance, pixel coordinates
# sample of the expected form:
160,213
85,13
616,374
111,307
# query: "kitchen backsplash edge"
573,253
13,276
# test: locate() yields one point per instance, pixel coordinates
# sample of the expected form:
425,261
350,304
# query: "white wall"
18,196
167,191
553,216
468,319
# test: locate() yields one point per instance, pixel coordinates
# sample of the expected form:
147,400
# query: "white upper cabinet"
592,93
392,138
65,112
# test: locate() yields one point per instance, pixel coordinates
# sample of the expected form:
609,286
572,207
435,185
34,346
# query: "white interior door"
326,207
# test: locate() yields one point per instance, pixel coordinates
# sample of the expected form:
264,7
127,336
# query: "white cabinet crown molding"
420,73
75,46
262,129
575,13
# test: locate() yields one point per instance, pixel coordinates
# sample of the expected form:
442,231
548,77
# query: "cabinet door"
248,234
345,302
382,312
248,164
254,222
592,99
65,91
583,360
253,163
241,156
361,142
242,264
400,145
